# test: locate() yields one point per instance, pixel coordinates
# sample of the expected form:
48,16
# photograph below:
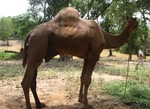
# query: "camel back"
67,16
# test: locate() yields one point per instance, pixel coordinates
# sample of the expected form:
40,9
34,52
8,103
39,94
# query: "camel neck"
115,41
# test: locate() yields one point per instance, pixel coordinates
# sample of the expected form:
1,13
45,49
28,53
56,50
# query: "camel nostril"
137,24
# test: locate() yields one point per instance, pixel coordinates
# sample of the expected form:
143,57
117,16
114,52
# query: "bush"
136,93
8,56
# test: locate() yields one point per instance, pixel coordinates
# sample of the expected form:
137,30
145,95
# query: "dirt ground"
56,93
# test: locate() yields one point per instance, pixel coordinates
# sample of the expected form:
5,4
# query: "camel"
68,33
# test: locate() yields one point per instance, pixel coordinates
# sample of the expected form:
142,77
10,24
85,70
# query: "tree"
143,8
107,27
46,9
6,29
23,24
67,3
91,9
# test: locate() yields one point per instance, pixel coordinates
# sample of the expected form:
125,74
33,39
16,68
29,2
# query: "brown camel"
69,34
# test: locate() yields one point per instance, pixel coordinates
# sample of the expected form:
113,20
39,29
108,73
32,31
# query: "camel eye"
129,20
134,19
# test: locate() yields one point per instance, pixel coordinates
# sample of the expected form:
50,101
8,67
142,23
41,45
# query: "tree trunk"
145,36
7,42
145,32
145,46
67,3
110,52
130,53
65,57
130,56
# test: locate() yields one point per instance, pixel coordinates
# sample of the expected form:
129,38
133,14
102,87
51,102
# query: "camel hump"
67,15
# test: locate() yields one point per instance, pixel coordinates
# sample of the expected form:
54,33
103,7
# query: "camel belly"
79,50
73,53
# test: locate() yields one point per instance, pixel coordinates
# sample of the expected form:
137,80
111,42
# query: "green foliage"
46,9
54,7
116,88
117,13
6,28
23,24
91,9
8,56
136,93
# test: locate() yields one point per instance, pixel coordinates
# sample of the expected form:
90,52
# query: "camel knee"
27,79
25,83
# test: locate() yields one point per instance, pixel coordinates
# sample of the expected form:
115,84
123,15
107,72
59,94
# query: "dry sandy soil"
56,93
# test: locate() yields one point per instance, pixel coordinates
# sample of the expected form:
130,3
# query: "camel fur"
68,33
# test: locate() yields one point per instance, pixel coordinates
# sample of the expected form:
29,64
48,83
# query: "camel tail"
25,55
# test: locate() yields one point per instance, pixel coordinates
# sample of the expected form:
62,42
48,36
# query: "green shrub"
136,93
115,88
8,56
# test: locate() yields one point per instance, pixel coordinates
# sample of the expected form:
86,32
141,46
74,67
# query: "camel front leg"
88,68
39,105
82,81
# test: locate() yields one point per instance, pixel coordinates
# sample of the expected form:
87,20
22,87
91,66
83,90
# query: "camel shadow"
97,103
74,106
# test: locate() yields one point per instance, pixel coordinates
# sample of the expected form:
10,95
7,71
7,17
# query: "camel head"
131,23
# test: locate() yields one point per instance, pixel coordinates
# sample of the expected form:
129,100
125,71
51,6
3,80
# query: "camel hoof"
42,105
88,107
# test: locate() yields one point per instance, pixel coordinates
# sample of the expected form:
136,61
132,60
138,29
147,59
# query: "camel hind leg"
35,57
33,89
26,82
29,81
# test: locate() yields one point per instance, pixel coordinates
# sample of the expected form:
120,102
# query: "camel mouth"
136,24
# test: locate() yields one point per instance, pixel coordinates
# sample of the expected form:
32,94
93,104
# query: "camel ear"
127,18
